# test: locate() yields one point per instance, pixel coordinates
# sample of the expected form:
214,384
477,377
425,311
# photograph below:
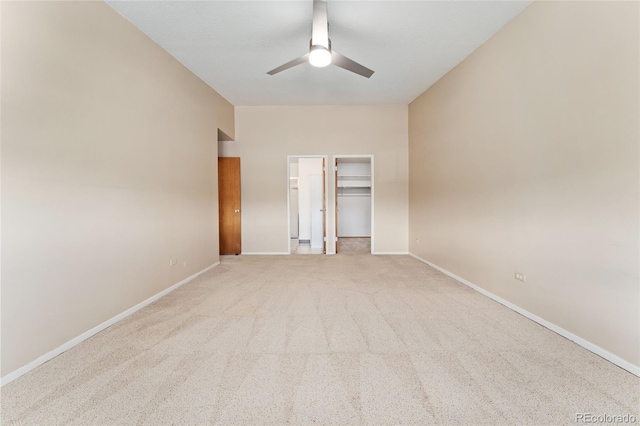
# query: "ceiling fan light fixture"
319,56
320,52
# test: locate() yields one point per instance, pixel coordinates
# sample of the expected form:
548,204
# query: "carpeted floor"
354,245
322,339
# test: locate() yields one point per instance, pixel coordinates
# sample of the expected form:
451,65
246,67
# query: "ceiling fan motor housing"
319,55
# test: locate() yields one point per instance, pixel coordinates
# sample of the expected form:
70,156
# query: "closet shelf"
354,191
355,186
354,181
354,195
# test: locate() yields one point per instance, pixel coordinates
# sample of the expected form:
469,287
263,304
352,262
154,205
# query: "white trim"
95,330
373,192
266,253
633,369
385,253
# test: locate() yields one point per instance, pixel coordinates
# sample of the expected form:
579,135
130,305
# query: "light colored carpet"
353,245
322,339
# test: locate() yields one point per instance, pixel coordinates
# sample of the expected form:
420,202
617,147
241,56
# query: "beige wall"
266,135
108,171
525,157
225,112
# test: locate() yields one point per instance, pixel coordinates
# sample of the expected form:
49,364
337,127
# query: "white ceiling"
232,44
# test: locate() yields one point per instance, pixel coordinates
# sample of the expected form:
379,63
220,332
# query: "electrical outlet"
417,241
173,262
521,277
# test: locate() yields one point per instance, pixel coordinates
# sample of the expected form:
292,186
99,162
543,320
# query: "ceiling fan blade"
350,65
320,28
301,60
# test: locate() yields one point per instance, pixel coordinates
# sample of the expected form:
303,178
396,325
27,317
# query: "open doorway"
354,204
306,200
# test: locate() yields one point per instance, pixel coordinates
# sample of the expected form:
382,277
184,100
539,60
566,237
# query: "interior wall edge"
97,329
622,363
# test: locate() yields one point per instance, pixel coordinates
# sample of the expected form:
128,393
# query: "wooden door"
229,205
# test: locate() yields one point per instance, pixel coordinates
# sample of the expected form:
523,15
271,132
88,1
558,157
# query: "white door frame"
326,195
335,228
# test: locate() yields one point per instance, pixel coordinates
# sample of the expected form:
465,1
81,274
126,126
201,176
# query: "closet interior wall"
354,197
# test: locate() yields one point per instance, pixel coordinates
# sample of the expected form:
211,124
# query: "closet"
353,202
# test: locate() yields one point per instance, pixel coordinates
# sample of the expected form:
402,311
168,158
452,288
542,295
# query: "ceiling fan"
320,52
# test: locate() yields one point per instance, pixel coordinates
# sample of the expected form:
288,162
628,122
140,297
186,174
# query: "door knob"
236,211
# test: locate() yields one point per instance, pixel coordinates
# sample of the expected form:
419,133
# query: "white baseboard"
95,330
268,253
385,253
633,369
